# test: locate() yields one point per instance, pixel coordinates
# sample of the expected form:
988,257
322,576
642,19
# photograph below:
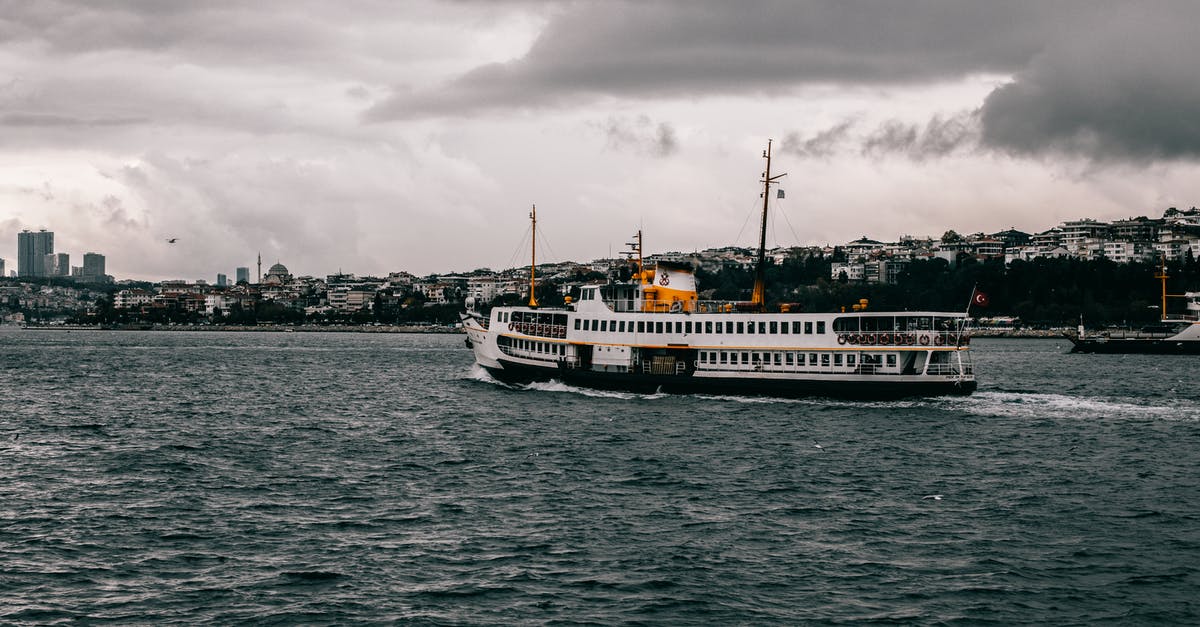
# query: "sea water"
192,477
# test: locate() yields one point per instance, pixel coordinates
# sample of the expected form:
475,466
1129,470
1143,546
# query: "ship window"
733,358
687,327
825,359
577,324
837,359
604,325
679,327
850,359
789,359
796,326
707,327
808,328
728,326
762,327
891,360
812,359
749,327
724,356
820,326
641,328
774,327
658,327
741,327
703,357
783,328
745,358
778,359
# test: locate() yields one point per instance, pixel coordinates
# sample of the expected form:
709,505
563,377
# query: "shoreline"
307,328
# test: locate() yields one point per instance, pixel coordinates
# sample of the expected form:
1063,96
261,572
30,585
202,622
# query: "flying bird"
172,240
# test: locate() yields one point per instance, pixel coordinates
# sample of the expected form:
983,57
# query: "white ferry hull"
782,386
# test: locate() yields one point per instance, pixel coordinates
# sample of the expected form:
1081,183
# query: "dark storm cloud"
1128,91
824,143
939,137
641,135
678,48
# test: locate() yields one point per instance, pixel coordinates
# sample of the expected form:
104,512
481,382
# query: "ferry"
1172,335
652,334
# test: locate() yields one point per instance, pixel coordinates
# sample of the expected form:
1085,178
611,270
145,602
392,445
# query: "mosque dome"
278,269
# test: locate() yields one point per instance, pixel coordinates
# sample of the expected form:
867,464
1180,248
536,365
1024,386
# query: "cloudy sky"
372,136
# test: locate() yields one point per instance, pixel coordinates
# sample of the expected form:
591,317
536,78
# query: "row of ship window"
773,327
735,358
530,346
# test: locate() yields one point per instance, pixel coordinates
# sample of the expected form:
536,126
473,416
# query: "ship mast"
533,258
1162,276
759,297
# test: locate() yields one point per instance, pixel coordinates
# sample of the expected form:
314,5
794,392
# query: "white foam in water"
1023,404
555,385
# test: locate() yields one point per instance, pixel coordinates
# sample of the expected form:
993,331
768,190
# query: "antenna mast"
759,296
533,258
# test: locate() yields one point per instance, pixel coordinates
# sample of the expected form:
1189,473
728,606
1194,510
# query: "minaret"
260,267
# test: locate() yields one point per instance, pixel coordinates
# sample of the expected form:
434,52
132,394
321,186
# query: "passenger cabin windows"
820,327
808,328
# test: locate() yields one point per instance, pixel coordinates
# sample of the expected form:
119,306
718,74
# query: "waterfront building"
1139,229
853,271
32,249
1077,233
1125,252
243,274
2,272
1047,240
483,288
131,298
222,280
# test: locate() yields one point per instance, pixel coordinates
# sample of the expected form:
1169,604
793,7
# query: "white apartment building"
854,271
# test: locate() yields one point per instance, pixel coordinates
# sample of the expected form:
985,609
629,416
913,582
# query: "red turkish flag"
980,299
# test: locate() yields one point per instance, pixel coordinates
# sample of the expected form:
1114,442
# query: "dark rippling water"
342,478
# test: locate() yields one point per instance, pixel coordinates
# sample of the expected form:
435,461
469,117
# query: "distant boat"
1178,334
652,333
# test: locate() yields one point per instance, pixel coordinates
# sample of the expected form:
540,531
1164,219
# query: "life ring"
510,326
852,338
885,339
910,339
676,306
939,340
871,339
924,340
841,338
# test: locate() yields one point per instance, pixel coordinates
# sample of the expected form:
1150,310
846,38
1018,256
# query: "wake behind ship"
652,333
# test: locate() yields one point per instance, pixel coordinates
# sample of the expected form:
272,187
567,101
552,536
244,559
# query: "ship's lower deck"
867,386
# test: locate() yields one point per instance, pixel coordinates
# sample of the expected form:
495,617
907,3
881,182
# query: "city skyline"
376,137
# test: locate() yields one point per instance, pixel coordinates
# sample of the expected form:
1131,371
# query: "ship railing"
949,369
931,339
539,330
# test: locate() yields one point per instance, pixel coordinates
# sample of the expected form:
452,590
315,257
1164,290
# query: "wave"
1041,405
982,403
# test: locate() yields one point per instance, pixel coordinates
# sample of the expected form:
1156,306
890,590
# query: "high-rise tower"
32,249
